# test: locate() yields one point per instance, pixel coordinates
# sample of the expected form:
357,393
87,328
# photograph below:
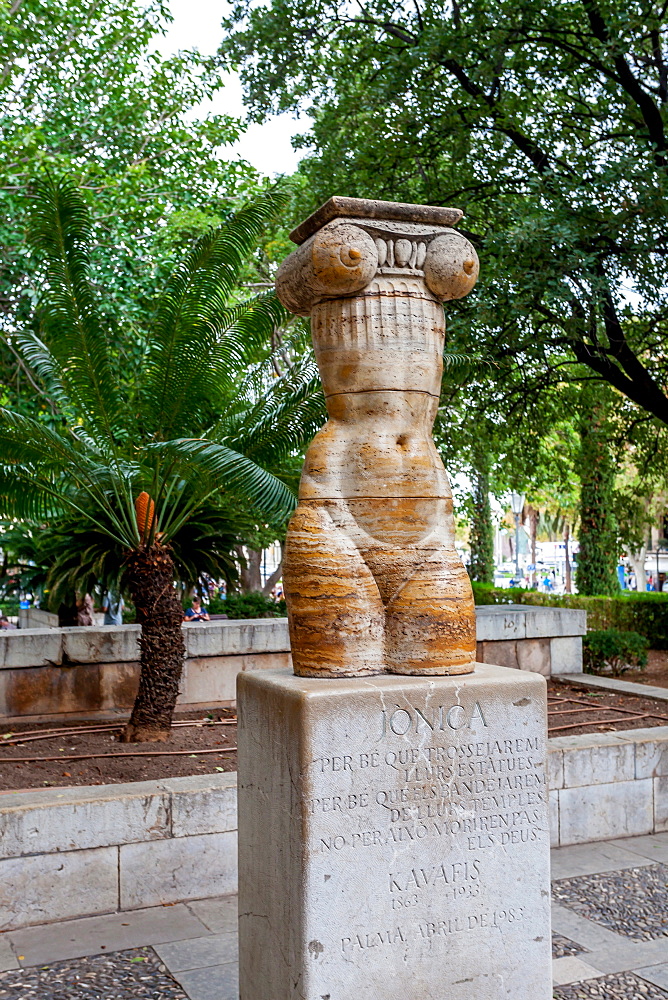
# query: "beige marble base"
393,837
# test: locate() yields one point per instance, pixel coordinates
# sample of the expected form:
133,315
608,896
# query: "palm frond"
26,495
460,368
230,471
71,324
194,327
283,420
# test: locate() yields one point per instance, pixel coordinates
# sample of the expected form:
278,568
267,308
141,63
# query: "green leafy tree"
84,90
139,460
546,122
598,556
481,566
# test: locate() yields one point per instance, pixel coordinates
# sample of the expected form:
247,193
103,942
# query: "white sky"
197,25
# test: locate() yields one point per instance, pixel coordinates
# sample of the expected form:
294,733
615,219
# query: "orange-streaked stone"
372,579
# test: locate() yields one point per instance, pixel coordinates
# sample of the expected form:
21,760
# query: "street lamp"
517,504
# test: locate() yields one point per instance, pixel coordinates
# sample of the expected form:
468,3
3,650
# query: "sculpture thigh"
337,619
357,606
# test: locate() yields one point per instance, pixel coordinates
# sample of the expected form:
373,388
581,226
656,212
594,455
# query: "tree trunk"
250,574
481,566
597,559
275,576
534,515
637,560
150,577
567,558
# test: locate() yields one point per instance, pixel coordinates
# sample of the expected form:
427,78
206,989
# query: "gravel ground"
562,946
624,986
633,902
124,975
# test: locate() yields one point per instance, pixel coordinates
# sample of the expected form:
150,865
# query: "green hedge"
629,612
247,606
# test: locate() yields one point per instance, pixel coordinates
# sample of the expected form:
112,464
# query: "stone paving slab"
572,970
624,955
592,936
218,982
653,846
8,959
92,935
219,914
590,859
656,974
199,953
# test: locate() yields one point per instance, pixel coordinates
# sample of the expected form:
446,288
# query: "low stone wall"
545,640
146,843
608,785
71,852
36,618
75,671
70,671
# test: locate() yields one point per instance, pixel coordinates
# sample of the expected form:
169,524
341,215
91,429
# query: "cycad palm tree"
123,454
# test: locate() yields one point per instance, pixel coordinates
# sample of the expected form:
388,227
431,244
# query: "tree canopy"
85,90
546,122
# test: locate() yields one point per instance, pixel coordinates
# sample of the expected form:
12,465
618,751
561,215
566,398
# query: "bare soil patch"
89,753
656,671
573,710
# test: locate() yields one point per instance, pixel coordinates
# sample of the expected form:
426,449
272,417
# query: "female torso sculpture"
371,576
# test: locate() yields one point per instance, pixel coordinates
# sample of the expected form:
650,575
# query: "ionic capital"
349,241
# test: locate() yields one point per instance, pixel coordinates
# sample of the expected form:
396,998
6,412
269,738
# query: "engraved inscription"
432,929
477,795
402,721
437,876
427,807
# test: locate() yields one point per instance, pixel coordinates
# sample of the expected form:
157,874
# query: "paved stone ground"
608,942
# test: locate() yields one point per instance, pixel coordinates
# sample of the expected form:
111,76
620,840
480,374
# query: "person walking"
113,606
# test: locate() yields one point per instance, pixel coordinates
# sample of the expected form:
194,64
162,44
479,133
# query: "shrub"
610,649
646,613
253,605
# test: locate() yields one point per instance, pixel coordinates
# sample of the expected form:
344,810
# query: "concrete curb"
617,686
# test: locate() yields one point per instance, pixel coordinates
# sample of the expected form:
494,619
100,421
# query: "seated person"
195,613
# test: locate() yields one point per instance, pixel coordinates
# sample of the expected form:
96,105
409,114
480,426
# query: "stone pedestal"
393,837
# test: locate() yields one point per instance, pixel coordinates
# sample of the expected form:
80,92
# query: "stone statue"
371,576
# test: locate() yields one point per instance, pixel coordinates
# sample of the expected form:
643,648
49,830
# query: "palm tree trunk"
275,576
150,577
